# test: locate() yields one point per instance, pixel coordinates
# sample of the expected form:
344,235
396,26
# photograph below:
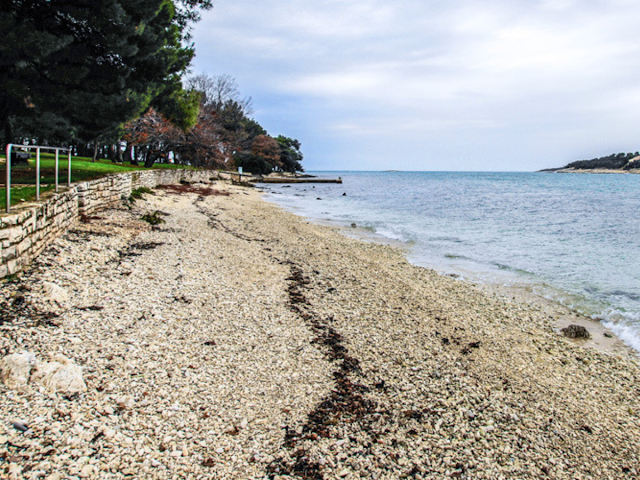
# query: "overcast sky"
434,84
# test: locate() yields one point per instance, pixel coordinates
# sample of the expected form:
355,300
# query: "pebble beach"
238,341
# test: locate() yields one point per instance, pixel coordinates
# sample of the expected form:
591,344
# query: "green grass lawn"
82,169
20,194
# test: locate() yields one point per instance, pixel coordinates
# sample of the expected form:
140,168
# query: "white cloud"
434,70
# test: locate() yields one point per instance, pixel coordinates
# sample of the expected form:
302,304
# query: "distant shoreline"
603,171
615,163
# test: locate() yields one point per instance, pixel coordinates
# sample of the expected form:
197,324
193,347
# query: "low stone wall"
24,234
101,193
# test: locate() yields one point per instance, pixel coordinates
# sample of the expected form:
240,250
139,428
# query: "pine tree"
95,64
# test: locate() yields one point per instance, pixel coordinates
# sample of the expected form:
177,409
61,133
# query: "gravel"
239,341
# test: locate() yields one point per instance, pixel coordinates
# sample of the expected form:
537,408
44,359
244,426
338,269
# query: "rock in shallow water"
575,331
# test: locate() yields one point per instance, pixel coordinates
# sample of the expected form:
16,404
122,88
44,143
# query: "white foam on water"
391,234
625,327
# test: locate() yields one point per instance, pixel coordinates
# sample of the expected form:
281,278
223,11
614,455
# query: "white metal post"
69,170
38,173
8,178
57,152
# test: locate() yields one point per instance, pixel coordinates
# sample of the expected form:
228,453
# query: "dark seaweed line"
346,402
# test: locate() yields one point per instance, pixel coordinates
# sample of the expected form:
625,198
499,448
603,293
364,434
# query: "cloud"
433,73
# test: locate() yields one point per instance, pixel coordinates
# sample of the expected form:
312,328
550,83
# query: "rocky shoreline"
602,171
236,340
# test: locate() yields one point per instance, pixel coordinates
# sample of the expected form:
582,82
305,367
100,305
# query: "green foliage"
290,154
253,164
612,162
224,135
92,64
179,107
237,129
153,218
137,194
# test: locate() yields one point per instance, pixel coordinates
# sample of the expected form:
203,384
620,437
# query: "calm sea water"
569,237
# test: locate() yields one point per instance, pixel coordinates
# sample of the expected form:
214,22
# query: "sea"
569,238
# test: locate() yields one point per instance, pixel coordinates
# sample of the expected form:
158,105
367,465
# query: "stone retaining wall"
24,234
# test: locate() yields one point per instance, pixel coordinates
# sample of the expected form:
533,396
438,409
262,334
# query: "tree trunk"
151,159
111,153
130,155
127,157
118,152
114,153
81,150
95,152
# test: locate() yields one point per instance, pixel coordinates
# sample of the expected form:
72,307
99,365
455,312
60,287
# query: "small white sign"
240,170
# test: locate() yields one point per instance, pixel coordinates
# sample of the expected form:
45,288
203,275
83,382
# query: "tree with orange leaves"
154,136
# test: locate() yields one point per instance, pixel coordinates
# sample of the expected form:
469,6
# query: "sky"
449,85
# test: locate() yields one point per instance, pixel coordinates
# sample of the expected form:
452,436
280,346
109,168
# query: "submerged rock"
575,331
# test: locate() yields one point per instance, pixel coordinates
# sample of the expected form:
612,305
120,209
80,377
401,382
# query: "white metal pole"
38,173
69,170
57,152
8,179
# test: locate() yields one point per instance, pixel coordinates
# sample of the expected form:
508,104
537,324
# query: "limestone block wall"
24,234
101,193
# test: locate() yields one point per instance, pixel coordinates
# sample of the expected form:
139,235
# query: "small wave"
391,234
509,268
621,293
626,328
446,239
502,266
456,257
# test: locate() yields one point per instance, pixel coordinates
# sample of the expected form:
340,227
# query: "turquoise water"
569,237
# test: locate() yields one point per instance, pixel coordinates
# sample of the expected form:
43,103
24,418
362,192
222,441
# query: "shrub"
138,192
153,218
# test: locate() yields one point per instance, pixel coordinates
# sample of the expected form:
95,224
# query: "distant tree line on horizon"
616,161
109,78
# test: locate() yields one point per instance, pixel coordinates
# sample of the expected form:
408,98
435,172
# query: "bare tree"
218,91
